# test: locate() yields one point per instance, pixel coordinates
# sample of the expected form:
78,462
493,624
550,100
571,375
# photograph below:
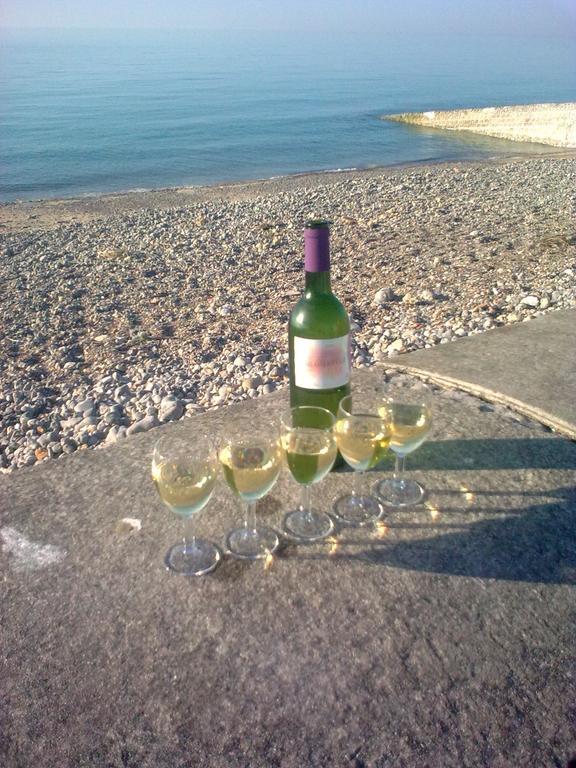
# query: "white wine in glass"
410,424
362,435
251,463
310,449
184,472
362,441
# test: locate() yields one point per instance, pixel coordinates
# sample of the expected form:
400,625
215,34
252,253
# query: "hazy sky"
521,17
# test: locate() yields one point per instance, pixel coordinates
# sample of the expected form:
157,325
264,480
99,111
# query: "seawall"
553,124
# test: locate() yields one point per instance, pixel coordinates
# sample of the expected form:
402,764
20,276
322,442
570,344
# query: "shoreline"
27,214
118,317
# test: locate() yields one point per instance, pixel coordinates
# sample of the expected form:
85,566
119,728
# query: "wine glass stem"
188,538
399,468
251,516
305,498
357,479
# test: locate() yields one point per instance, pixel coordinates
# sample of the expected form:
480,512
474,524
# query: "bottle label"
321,363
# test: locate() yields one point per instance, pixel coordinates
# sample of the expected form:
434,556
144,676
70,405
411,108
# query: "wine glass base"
357,509
193,558
252,543
308,525
400,493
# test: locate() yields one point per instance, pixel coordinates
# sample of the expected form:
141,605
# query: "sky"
516,17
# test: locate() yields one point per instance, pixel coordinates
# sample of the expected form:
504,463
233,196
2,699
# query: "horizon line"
564,34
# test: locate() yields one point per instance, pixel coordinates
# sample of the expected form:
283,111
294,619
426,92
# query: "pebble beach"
123,312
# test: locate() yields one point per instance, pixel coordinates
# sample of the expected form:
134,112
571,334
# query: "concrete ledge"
530,367
553,124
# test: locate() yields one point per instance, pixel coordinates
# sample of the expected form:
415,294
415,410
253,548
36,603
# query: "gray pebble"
84,406
69,445
171,409
384,295
123,393
145,424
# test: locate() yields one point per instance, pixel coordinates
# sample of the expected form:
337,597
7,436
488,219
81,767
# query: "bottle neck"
318,282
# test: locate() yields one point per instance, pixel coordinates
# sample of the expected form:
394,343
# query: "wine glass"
184,472
310,449
362,434
251,459
410,409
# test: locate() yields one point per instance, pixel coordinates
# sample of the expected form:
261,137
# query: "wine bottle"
319,331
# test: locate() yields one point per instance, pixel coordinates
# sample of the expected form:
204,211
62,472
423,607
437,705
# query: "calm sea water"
85,112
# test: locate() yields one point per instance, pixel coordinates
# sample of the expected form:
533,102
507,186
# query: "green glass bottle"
319,331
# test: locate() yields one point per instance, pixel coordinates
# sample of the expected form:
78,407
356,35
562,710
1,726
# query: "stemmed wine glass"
410,409
362,435
310,449
251,459
184,472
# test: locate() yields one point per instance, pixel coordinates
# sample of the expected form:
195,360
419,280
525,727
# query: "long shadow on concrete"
532,453
533,544
510,533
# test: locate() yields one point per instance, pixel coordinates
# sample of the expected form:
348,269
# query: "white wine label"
321,363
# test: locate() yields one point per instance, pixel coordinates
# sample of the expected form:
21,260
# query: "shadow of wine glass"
490,533
494,453
535,544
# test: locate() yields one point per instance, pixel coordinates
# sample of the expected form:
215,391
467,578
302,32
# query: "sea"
93,111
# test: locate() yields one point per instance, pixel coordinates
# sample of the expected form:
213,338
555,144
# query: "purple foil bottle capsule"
317,246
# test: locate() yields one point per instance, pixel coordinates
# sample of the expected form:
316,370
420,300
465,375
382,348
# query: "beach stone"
33,411
69,445
251,383
123,393
46,438
112,434
88,421
85,407
113,417
71,422
171,409
383,296
530,301
396,346
144,425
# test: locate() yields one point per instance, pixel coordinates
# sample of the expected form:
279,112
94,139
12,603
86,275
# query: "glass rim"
268,435
200,446
345,406
308,408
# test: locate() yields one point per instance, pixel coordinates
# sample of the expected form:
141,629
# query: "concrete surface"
443,638
553,124
529,366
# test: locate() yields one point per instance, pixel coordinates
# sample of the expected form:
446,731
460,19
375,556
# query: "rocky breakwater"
553,124
112,327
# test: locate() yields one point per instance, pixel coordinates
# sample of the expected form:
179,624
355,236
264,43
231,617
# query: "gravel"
112,326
